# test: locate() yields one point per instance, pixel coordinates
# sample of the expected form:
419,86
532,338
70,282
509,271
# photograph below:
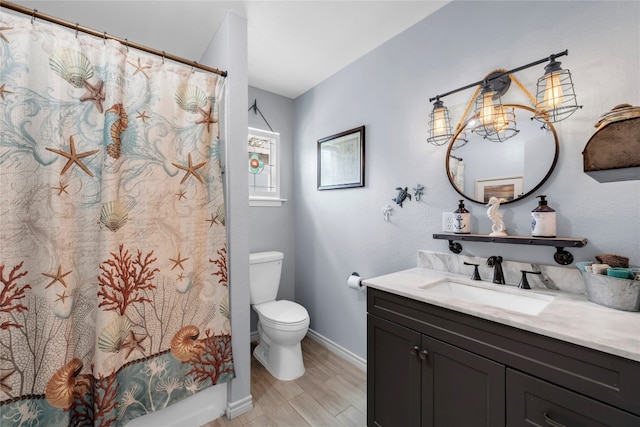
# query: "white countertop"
569,317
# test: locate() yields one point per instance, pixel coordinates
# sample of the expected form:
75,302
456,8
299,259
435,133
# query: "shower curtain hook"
126,44
104,38
193,67
163,57
33,17
77,25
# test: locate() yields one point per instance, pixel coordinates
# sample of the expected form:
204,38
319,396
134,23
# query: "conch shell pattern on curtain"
114,297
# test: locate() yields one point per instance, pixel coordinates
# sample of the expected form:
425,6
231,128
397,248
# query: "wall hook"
418,191
256,110
402,195
386,212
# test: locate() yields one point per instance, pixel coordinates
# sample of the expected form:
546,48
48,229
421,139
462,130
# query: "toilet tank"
264,276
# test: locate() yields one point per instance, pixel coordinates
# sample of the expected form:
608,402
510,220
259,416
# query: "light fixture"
439,124
555,97
555,101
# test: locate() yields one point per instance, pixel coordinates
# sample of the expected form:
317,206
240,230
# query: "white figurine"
498,228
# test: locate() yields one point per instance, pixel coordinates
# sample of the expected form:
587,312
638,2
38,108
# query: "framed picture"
508,188
341,160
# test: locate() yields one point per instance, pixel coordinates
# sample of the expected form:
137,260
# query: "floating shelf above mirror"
561,256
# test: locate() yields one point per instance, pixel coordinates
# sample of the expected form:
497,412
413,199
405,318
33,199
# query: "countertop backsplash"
567,279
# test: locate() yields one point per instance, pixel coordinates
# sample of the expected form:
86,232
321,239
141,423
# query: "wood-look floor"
332,392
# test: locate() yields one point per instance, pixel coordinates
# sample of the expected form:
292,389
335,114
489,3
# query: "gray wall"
341,231
228,51
271,228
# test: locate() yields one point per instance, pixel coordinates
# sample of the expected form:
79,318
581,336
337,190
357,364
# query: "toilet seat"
283,314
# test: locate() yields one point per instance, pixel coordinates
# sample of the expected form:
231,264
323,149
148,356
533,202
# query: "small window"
264,168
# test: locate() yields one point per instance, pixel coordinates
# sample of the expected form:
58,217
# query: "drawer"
534,402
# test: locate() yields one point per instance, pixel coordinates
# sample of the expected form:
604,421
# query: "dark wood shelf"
561,256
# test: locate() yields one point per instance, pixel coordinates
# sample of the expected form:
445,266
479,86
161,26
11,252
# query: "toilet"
281,324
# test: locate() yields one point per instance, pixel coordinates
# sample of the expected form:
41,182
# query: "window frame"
267,198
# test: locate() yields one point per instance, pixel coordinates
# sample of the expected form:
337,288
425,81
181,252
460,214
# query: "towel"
600,268
621,273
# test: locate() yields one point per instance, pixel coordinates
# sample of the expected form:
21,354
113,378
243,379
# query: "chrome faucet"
496,263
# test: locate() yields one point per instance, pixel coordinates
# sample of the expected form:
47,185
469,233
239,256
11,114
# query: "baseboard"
338,350
239,407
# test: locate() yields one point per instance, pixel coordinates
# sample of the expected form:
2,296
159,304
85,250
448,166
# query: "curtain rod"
38,15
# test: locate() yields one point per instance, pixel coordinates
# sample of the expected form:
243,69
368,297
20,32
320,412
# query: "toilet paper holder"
354,281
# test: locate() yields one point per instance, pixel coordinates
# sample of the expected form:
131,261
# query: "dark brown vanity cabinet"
429,366
415,380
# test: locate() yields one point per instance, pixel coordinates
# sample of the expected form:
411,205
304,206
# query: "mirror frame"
548,174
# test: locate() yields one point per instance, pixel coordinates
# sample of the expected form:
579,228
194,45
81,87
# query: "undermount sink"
525,302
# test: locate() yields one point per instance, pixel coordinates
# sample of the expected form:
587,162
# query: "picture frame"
508,188
341,160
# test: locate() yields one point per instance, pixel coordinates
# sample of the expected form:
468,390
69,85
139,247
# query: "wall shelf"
561,256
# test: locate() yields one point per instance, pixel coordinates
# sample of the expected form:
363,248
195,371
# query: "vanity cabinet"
430,366
416,380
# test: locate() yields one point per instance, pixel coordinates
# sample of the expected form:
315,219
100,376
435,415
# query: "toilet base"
283,362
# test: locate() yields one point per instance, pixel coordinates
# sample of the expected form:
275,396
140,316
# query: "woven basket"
621,294
613,260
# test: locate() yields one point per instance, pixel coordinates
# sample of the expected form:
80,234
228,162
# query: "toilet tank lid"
260,257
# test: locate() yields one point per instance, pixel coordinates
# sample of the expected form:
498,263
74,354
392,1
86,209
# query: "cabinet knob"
424,354
550,421
414,350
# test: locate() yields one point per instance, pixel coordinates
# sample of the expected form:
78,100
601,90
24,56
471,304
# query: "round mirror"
479,169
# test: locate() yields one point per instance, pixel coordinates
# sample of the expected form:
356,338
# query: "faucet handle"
476,274
524,283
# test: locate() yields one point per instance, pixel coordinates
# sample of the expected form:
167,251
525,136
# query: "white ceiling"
292,45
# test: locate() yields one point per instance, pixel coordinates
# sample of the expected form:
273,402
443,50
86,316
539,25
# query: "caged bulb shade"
439,122
553,91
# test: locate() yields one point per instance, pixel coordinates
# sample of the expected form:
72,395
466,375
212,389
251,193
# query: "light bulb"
501,122
553,91
439,122
487,111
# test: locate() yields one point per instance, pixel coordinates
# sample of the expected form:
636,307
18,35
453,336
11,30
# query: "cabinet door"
461,389
534,402
393,374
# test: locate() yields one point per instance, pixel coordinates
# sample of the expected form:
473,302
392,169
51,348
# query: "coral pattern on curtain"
113,262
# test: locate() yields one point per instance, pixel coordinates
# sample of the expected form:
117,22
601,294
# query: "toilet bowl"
282,324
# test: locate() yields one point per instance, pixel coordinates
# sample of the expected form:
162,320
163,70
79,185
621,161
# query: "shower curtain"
114,295
456,168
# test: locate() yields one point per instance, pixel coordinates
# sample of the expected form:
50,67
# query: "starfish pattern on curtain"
114,297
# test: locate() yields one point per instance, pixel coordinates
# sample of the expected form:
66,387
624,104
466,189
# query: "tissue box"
621,294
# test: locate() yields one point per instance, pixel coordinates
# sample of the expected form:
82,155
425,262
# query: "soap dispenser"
461,219
543,219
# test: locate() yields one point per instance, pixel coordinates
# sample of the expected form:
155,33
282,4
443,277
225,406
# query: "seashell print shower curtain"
114,295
